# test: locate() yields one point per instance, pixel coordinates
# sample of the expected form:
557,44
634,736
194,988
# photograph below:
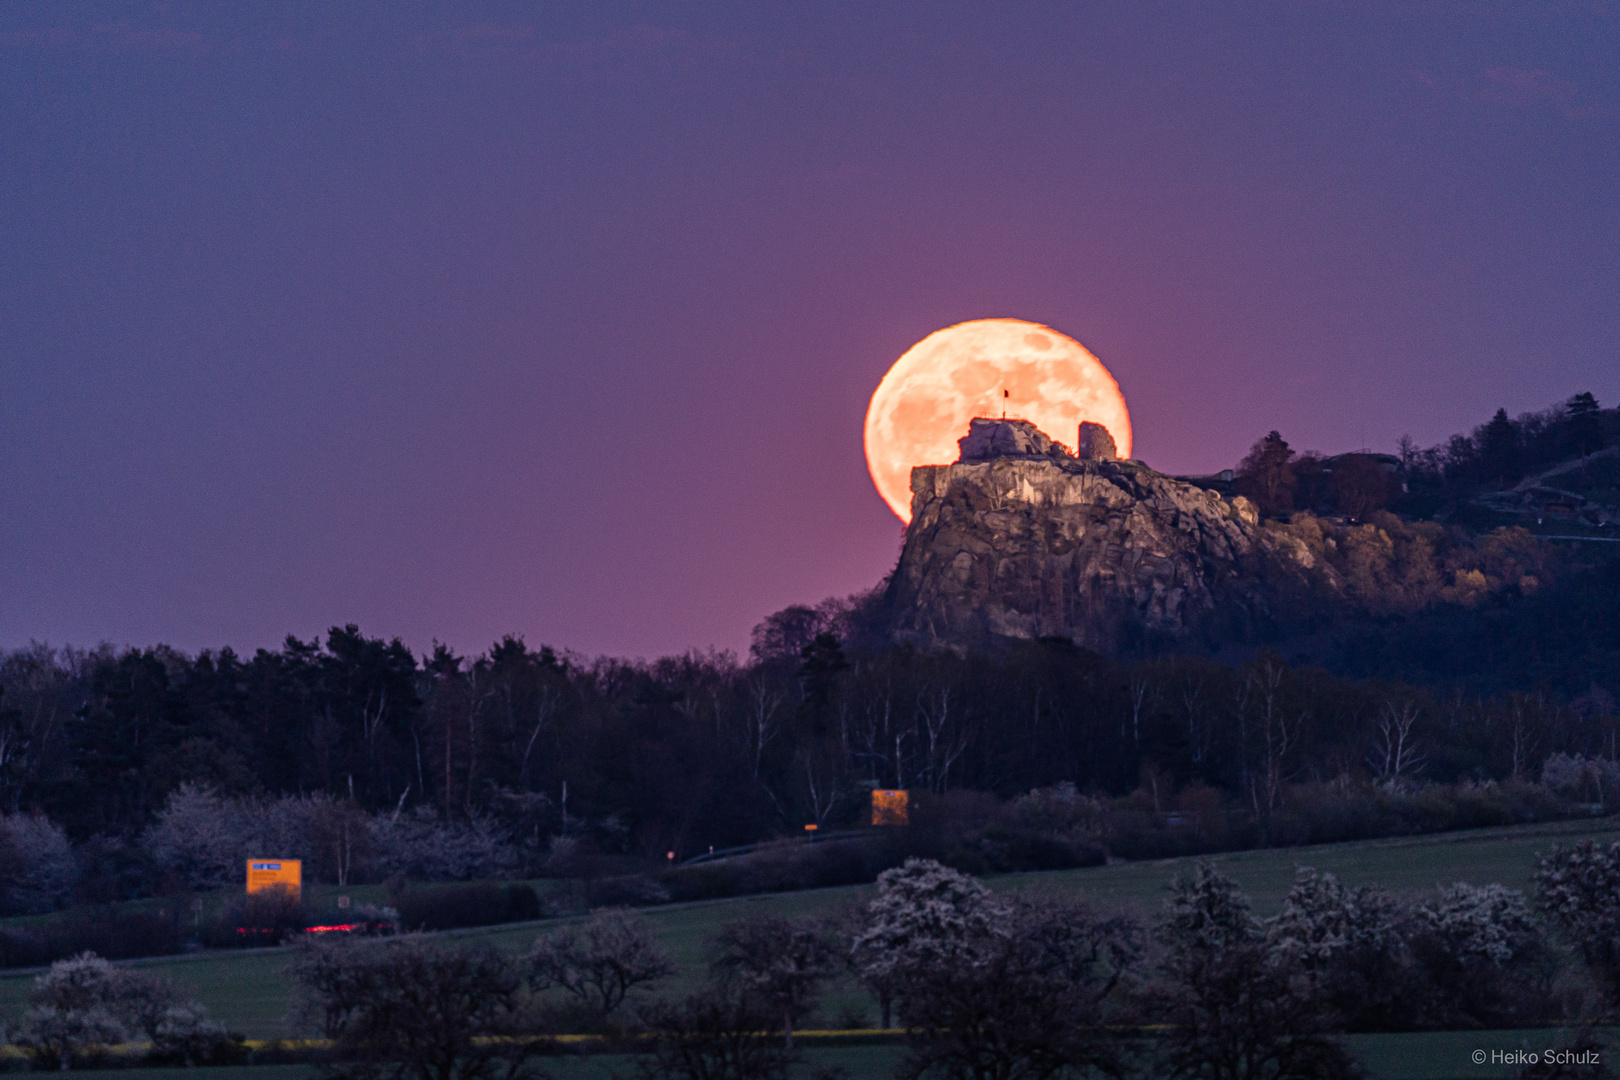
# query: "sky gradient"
455,320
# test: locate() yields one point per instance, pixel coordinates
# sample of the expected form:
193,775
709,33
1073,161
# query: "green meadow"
1446,1055
249,990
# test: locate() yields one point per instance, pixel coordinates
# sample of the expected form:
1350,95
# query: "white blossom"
1479,922
1322,920
37,869
924,914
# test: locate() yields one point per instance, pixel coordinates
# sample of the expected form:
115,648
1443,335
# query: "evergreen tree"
1266,476
1500,451
1585,431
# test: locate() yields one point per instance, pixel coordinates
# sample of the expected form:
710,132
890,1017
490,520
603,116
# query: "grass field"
249,991
1434,1056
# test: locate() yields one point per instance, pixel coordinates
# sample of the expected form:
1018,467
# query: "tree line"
135,771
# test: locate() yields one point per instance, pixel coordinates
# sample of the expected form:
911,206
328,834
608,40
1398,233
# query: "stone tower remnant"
1095,444
988,439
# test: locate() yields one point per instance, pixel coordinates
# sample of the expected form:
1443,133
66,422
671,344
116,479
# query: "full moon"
924,404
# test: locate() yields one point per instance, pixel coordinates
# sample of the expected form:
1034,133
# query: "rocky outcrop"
1109,554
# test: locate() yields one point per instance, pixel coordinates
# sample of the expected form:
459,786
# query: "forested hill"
1557,467
1442,555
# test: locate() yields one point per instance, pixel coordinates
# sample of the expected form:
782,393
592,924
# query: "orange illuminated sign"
891,807
265,874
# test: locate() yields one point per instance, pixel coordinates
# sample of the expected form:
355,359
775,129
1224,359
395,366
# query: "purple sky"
461,319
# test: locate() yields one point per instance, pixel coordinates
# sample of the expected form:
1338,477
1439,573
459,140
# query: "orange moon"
924,404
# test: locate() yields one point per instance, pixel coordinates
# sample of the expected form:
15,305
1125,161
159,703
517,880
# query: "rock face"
1109,554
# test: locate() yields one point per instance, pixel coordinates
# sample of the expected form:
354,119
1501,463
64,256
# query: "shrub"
184,1035
629,890
125,935
719,1034
37,868
922,913
1351,947
268,917
1034,996
1484,958
1232,1011
85,1001
1579,889
416,1008
112,933
420,846
204,840
452,906
23,947
1591,780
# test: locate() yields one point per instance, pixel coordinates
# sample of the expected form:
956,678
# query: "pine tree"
1585,428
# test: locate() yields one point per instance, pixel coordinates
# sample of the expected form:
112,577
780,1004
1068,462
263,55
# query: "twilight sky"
469,318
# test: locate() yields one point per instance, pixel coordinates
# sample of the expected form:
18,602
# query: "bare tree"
722,1033
947,740
1395,749
1139,687
416,1009
782,961
1033,997
543,711
764,718
616,954
821,781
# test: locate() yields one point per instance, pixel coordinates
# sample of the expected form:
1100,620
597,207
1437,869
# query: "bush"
420,846
416,1008
630,890
453,906
1579,890
85,1001
112,933
1232,1010
268,917
127,935
719,1034
37,868
779,962
185,1036
1035,995
204,840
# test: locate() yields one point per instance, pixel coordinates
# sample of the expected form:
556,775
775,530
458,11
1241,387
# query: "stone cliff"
1018,539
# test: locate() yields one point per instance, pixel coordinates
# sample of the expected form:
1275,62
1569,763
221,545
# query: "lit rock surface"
1109,554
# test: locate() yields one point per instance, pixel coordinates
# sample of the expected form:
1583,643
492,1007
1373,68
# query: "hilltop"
1449,567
